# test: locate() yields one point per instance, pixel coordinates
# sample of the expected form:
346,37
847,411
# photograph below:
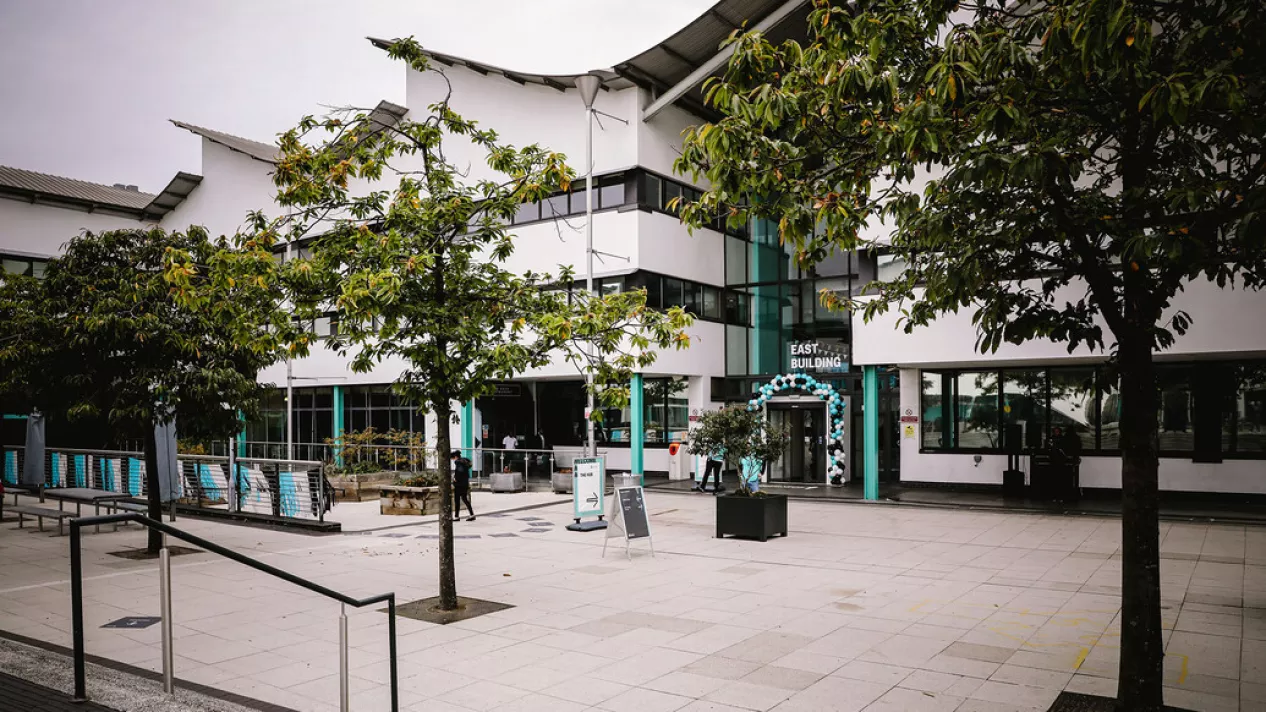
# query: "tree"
120,343
23,344
414,271
1062,169
741,434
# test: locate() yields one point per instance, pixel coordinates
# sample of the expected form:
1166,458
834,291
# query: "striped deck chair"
294,491
110,473
11,467
56,469
135,477
79,470
258,496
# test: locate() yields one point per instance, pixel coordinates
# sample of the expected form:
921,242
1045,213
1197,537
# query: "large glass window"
1206,410
379,408
1244,426
1072,405
527,212
936,393
1175,417
672,191
735,350
735,260
1024,405
554,206
652,283
28,266
577,205
652,191
711,303
673,293
665,414
611,191
840,288
977,411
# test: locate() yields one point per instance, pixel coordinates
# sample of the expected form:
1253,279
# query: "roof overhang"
673,70
178,188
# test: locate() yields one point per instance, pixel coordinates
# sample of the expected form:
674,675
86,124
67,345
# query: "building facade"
884,405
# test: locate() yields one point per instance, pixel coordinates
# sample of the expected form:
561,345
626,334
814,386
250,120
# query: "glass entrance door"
804,458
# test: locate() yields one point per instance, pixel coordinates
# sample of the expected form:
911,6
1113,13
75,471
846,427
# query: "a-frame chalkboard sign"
630,518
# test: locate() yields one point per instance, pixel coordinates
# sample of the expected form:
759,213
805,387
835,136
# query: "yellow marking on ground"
1081,658
1182,672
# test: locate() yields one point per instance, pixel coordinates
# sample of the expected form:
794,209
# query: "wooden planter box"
752,517
562,481
362,487
398,499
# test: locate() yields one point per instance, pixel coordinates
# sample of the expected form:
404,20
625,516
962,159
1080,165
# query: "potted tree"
748,445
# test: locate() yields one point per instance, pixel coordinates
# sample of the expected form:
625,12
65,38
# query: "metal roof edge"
258,150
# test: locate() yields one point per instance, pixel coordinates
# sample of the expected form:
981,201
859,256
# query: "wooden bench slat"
40,511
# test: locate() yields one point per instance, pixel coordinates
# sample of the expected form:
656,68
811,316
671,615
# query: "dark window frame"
1200,418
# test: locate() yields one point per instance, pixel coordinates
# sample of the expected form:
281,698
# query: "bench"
40,513
125,506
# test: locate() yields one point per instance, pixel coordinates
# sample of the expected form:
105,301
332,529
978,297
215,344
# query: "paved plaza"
863,607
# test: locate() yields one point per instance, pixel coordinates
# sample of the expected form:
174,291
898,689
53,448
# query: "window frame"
1100,398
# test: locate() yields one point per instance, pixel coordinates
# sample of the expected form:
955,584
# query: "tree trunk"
1142,653
155,494
443,445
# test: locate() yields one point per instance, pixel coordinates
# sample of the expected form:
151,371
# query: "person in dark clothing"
461,486
713,467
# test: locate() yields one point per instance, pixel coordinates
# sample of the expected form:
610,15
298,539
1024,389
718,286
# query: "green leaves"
123,327
412,264
739,434
1012,159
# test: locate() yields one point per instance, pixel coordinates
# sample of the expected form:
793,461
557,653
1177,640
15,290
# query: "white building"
758,316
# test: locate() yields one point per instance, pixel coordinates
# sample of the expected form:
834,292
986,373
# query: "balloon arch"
834,405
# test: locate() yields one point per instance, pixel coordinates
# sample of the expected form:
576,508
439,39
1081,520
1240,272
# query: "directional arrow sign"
589,483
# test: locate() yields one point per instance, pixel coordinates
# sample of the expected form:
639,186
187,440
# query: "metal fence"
283,488
532,465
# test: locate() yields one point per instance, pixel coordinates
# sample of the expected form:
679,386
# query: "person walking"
715,461
461,486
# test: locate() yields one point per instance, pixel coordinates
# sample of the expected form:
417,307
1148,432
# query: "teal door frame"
468,431
338,426
870,432
637,427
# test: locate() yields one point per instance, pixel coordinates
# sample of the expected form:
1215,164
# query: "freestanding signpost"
589,484
630,517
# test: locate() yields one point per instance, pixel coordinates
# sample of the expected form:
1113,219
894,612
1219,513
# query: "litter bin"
1055,477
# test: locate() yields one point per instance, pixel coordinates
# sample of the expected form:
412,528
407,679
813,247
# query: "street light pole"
290,380
588,85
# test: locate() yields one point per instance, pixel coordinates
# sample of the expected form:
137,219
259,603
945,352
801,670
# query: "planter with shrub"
418,495
747,443
758,516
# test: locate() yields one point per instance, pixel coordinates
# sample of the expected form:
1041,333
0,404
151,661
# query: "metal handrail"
77,613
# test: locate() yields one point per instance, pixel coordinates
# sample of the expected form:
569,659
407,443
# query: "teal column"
637,426
870,431
241,436
468,430
338,426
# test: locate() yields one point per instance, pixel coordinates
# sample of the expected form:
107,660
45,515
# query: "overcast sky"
87,86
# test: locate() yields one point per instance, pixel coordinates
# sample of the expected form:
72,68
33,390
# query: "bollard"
164,595
344,682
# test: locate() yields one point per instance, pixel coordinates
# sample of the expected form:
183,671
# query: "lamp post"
588,85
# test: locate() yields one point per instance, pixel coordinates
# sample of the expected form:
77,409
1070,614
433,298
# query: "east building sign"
818,356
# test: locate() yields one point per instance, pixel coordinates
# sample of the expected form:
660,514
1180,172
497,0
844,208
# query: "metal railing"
532,464
164,570
295,489
14,461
